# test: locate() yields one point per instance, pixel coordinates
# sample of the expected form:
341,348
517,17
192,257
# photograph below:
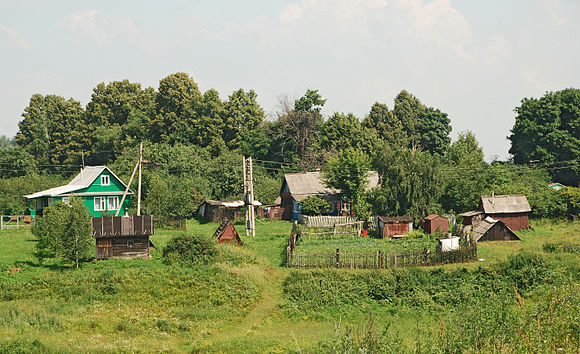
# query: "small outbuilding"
434,223
448,244
226,232
512,209
493,230
122,236
472,217
389,227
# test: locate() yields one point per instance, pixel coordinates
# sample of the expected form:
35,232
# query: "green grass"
249,302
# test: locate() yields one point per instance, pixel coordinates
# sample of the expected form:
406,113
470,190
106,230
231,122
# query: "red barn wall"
433,225
515,221
393,229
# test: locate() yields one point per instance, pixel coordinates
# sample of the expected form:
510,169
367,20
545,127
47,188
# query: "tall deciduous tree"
53,129
547,130
242,113
410,183
343,131
434,130
464,174
387,126
348,172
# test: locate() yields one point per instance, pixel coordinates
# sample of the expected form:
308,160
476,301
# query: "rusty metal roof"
434,216
498,204
394,219
471,213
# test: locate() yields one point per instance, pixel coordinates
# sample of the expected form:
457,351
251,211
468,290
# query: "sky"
474,60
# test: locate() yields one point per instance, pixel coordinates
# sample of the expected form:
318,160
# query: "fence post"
380,259
1,222
288,255
337,258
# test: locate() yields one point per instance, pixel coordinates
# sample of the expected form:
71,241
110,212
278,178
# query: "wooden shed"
512,209
389,227
472,217
226,232
493,230
434,223
220,210
122,236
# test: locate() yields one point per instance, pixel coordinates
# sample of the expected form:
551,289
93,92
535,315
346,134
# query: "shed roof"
83,180
230,203
487,224
434,216
301,185
512,203
471,213
395,219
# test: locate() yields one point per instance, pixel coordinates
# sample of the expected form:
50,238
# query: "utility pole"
249,196
139,189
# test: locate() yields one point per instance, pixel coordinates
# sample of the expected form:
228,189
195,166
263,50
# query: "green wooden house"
99,188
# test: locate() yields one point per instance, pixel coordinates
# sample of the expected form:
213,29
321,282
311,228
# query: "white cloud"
99,27
15,36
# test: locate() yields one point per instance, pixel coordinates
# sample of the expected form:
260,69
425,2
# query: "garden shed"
122,236
512,209
434,223
472,217
220,210
389,227
493,230
226,232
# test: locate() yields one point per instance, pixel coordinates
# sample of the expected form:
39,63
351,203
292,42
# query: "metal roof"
83,180
302,185
512,203
434,216
471,213
395,219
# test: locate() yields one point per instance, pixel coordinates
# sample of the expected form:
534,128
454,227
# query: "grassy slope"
146,306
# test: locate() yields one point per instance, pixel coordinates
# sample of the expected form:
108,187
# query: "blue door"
296,208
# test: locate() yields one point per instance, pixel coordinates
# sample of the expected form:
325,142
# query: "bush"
314,205
190,249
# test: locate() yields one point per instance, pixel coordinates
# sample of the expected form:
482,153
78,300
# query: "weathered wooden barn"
226,232
434,223
298,186
122,236
512,209
389,227
493,230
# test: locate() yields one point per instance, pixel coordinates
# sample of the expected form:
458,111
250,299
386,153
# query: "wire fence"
16,221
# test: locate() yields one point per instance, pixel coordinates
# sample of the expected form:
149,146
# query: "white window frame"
65,200
51,201
114,205
100,203
105,180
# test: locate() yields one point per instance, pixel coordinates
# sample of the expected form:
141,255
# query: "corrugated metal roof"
83,180
389,219
310,183
512,203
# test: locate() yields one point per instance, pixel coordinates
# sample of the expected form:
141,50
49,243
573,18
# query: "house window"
113,203
130,243
50,201
100,203
65,200
105,180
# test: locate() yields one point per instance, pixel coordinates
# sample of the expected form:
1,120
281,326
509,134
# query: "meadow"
520,296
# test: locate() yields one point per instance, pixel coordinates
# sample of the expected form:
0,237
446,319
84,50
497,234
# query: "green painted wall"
89,201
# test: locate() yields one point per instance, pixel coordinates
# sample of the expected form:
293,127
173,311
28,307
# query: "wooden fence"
346,230
16,221
324,220
373,260
110,226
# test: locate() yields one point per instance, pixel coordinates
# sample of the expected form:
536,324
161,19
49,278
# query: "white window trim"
65,200
101,205
111,207
51,201
105,180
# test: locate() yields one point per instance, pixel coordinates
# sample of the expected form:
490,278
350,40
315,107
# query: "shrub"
314,205
190,249
526,270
